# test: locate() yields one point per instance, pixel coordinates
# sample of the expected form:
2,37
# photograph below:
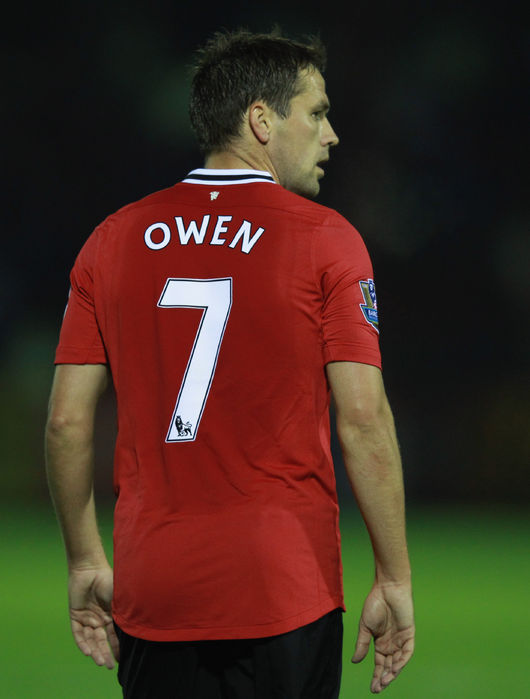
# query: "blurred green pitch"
471,577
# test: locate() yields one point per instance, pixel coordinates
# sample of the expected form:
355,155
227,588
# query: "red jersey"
217,304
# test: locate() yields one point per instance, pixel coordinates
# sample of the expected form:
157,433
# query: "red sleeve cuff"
352,353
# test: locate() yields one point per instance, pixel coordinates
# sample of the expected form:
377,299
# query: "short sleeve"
80,340
350,325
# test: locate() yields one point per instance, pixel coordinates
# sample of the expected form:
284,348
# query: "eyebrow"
322,106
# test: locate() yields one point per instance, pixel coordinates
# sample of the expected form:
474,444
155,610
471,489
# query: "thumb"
364,638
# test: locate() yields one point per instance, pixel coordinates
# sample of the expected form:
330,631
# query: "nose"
329,137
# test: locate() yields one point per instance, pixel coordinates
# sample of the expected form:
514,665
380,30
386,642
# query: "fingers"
364,638
387,674
113,641
380,668
402,657
93,643
388,666
382,677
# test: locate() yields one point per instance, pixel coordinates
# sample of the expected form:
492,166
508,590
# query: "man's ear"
260,121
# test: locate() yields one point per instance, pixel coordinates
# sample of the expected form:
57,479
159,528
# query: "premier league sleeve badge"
369,307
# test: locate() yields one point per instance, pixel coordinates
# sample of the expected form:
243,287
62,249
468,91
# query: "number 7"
215,297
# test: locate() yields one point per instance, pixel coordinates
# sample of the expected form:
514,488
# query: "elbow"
57,423
368,424
364,414
61,425
58,427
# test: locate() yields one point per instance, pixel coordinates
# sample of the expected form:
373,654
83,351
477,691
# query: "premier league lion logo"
183,428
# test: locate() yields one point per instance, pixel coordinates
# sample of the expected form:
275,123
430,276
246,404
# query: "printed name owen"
215,232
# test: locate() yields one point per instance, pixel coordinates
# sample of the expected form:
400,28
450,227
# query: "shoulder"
329,221
153,199
302,206
118,220
315,217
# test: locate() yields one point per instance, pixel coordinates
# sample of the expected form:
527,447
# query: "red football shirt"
217,304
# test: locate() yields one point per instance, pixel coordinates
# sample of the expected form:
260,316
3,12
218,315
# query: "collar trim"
211,176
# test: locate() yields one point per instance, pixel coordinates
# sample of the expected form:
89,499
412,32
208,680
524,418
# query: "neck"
227,160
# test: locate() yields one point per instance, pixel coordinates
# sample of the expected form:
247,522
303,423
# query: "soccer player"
226,308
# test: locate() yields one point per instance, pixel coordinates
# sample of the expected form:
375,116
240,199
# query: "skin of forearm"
70,468
373,464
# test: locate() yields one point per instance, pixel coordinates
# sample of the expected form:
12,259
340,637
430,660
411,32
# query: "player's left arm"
70,470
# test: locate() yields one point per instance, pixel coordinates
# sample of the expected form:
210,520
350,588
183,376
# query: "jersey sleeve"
350,326
80,340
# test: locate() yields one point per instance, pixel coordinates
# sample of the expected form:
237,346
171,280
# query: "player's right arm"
70,470
366,431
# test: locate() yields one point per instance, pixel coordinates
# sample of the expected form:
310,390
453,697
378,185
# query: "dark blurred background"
429,100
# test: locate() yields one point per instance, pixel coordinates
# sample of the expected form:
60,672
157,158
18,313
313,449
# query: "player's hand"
90,597
388,618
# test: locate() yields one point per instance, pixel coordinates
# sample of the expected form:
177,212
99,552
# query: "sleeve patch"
369,307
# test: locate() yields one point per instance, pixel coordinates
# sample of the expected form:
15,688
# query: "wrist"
385,578
87,561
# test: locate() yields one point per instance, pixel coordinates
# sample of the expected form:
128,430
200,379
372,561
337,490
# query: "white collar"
235,176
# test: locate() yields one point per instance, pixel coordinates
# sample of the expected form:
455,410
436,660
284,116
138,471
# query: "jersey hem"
231,633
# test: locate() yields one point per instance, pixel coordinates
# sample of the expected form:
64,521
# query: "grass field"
471,577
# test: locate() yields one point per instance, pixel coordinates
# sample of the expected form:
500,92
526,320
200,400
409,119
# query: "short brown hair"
236,68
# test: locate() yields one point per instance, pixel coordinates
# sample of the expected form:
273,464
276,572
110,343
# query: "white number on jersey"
215,297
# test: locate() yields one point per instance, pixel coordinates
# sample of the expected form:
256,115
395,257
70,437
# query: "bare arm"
70,470
366,431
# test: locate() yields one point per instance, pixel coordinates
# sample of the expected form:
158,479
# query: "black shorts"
302,664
